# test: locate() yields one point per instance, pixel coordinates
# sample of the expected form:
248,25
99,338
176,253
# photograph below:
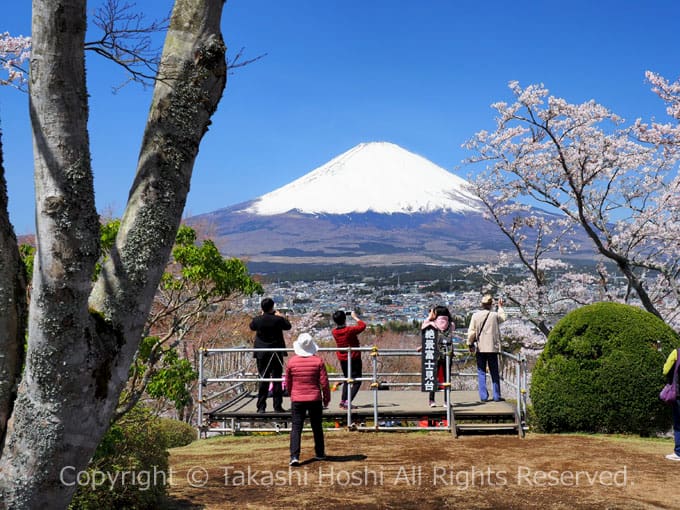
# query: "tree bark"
12,309
82,339
192,77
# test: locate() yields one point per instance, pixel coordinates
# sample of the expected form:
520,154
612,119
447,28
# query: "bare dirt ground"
418,470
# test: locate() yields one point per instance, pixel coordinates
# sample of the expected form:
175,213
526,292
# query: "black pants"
299,410
355,365
270,366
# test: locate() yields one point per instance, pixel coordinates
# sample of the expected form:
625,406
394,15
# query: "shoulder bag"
669,392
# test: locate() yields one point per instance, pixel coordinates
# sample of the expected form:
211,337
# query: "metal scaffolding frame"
233,371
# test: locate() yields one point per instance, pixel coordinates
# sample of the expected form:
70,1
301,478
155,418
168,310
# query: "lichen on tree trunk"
82,339
12,308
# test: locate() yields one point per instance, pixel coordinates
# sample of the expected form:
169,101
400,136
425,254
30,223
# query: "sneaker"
673,456
343,404
433,403
320,457
294,462
280,410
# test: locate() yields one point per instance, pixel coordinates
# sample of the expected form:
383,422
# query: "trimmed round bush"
600,371
176,433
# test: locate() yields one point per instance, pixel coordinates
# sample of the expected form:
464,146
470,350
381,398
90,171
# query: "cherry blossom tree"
550,288
614,184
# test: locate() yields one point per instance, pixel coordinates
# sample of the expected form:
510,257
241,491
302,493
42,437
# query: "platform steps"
498,422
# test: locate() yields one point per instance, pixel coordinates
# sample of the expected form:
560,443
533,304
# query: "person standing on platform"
485,332
307,382
269,328
348,336
441,321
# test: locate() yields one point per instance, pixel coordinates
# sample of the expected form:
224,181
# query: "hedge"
600,371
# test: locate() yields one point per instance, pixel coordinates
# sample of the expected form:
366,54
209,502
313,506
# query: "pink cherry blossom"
14,52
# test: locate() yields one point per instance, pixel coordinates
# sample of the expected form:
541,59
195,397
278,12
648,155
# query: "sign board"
429,355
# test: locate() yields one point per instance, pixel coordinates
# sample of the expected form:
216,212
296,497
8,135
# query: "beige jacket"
489,338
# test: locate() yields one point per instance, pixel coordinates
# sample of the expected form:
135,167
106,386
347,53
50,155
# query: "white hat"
304,345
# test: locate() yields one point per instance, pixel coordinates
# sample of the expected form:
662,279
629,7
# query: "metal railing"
235,367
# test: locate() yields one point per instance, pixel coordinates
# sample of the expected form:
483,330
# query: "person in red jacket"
348,336
307,382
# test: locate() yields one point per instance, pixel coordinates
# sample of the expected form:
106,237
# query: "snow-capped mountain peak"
380,177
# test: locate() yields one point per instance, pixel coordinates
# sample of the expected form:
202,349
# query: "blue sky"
338,73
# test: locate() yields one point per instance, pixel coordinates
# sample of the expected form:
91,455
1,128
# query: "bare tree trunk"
82,340
192,79
12,309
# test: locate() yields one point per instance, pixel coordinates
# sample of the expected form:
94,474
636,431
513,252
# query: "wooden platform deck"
469,414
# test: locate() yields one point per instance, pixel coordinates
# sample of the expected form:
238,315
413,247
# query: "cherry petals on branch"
14,53
668,92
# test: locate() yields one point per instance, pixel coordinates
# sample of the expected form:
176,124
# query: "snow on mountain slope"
380,177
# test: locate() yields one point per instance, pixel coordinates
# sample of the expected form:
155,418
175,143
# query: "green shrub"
133,453
176,433
600,371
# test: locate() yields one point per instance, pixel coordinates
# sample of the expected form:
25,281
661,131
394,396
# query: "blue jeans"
299,410
490,359
676,426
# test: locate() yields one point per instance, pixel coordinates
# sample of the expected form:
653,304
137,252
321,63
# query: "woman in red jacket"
307,383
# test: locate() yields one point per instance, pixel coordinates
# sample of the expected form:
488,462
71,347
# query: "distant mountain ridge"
375,204
361,238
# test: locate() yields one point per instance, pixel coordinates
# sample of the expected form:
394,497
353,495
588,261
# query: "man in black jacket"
269,328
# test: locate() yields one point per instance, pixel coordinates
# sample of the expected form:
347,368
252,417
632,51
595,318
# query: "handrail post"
518,378
347,387
376,386
199,418
447,390
523,361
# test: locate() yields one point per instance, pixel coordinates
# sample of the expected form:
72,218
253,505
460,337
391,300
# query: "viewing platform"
396,410
390,398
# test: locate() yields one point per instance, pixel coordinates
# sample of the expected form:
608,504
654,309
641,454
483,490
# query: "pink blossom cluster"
616,183
669,92
14,52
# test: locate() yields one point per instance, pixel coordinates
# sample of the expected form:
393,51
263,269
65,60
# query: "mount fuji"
377,177
375,204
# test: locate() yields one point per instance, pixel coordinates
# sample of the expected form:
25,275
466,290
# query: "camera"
348,313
